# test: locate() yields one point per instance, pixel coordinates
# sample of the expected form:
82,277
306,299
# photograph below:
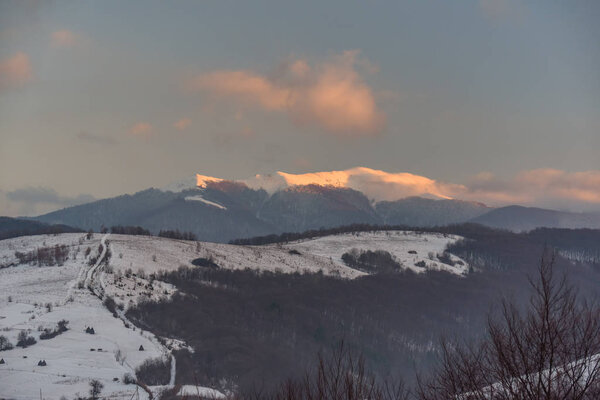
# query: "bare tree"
95,389
338,377
551,351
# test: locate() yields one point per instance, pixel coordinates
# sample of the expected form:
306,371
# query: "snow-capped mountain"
217,209
224,210
377,185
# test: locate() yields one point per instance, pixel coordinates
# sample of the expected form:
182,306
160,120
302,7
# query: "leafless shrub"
340,376
549,352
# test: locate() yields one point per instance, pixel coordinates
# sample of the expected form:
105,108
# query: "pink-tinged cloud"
331,95
244,86
64,38
141,129
182,124
542,187
15,71
376,184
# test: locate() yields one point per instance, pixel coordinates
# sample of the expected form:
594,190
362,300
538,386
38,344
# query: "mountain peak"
376,184
203,180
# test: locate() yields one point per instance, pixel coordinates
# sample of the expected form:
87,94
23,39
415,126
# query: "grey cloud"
96,139
37,200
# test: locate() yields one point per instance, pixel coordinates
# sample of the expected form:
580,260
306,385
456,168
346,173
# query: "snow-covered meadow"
408,248
33,298
324,254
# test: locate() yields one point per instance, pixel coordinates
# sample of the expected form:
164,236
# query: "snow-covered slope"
203,200
408,248
33,298
153,254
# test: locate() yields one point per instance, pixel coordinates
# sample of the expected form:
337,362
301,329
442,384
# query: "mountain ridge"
522,218
221,210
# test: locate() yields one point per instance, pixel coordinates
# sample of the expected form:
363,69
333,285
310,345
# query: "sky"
493,100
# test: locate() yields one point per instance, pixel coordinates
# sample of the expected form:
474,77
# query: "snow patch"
203,200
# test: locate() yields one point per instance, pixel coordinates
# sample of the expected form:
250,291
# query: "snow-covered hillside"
153,254
34,298
409,248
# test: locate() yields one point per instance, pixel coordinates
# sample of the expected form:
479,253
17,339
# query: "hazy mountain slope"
301,208
224,210
419,211
120,210
13,227
518,218
155,210
209,223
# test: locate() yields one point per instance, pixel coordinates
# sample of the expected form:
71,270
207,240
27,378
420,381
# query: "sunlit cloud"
244,86
64,38
141,129
15,71
182,124
331,95
299,68
546,187
375,184
540,187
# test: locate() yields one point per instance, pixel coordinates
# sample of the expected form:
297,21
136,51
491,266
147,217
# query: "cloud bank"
182,124
331,95
15,71
141,129
543,187
31,201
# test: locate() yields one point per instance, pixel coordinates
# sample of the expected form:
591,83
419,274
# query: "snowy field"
408,248
152,254
34,298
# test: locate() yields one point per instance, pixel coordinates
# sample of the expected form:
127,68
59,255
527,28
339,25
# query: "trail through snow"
75,291
89,282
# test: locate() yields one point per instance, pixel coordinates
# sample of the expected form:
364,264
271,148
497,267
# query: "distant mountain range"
13,227
519,218
221,210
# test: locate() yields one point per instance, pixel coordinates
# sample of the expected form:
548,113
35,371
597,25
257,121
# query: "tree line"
166,233
44,256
